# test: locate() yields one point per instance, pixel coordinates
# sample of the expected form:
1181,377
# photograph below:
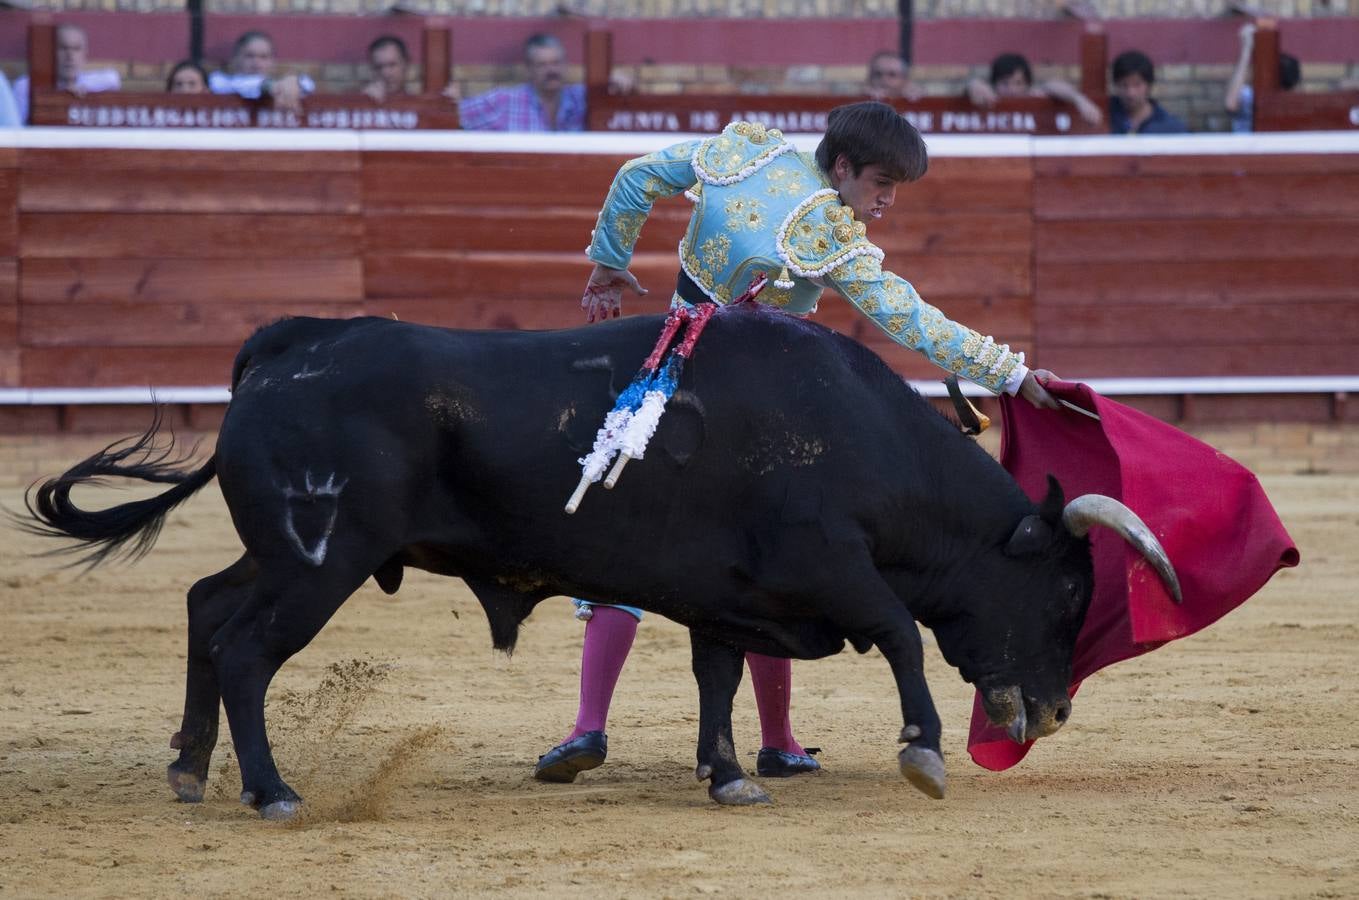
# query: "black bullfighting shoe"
775,763
565,761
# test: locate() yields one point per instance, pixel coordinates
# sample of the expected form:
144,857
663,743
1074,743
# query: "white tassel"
593,465
606,445
632,442
637,433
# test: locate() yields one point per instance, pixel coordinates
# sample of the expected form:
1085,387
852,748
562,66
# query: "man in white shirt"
9,111
72,51
250,75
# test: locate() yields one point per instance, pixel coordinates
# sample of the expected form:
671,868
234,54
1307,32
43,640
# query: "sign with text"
704,114
127,110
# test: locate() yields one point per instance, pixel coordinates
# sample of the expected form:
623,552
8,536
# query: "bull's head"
1017,641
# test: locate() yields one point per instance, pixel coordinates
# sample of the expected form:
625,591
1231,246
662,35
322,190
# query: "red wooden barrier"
139,267
1280,110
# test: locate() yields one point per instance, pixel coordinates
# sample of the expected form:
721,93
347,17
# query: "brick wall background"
757,9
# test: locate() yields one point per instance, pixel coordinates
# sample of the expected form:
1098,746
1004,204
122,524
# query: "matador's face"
868,193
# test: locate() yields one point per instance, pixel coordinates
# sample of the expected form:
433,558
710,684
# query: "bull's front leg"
877,613
717,669
921,761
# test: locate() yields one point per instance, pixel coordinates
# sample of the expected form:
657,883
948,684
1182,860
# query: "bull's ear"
1051,508
1031,536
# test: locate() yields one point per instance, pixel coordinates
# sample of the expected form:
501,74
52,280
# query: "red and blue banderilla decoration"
632,422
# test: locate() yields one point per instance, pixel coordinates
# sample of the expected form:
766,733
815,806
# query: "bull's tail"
130,529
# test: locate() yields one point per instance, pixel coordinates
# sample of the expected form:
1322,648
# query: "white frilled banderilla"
628,427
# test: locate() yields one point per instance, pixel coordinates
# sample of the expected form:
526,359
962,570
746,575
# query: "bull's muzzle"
1023,720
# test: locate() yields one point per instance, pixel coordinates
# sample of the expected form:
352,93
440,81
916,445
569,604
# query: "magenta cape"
1209,512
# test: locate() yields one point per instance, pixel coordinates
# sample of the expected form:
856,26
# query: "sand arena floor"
1221,766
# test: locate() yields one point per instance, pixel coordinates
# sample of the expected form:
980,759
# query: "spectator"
72,50
1131,108
543,103
187,77
388,59
9,110
250,76
1011,76
889,78
1239,100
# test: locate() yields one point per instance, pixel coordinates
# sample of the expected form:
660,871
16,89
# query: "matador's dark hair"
873,133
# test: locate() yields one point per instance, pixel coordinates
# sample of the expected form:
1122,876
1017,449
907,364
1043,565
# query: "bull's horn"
1089,510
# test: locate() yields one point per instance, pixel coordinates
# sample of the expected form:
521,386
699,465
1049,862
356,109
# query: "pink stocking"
608,638
773,681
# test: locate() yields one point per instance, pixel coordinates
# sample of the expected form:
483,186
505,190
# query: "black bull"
796,496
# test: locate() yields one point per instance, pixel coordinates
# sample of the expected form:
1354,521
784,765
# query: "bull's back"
752,369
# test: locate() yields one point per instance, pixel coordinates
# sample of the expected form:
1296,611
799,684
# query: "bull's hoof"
186,785
923,768
281,810
741,792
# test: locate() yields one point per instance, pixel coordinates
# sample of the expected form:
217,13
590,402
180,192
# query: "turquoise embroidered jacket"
760,206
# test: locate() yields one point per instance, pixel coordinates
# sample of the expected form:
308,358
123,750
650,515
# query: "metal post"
195,10
906,11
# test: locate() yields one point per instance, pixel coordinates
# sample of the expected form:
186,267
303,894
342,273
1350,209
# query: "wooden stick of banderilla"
577,495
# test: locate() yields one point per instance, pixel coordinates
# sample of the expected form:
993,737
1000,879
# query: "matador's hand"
604,292
1032,389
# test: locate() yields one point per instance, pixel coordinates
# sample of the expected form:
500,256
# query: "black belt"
689,290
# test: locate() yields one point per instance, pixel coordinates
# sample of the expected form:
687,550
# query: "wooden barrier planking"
172,325
9,219
1190,360
80,159
188,191
1244,166
1256,238
1201,324
419,182
137,366
1197,196
241,236
204,281
149,267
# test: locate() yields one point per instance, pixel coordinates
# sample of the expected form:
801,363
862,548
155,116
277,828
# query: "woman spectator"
187,77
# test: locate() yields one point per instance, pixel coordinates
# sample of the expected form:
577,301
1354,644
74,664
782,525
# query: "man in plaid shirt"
543,103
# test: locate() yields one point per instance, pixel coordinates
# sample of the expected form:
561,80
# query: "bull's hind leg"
212,601
717,668
286,609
